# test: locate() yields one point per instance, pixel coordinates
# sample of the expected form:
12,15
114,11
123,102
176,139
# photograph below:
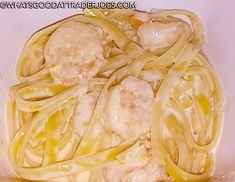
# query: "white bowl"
218,17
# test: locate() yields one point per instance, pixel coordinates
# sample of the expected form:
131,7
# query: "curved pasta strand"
170,81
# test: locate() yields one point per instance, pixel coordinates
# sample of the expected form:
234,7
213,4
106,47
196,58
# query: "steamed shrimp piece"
129,108
73,53
141,171
142,16
84,112
147,172
150,172
156,35
139,17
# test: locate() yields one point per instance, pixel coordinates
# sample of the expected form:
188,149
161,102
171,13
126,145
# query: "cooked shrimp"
129,108
142,16
150,172
73,53
146,171
84,112
139,17
156,35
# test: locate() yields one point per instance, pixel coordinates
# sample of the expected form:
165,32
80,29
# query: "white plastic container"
16,26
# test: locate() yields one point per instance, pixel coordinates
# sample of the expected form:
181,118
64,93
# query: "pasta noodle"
186,117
